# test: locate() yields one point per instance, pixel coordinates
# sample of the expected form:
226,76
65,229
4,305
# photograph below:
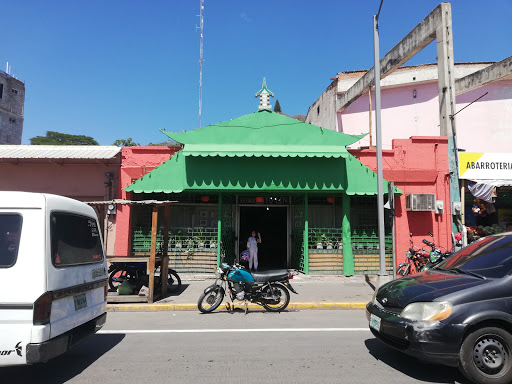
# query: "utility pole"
378,139
201,21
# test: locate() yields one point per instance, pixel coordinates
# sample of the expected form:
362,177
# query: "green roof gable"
264,133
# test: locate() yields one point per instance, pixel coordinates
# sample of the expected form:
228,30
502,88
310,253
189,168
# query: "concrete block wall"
12,101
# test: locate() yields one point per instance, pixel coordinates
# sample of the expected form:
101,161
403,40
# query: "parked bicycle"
137,276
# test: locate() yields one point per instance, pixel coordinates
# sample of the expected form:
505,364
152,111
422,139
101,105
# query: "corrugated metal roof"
58,151
357,72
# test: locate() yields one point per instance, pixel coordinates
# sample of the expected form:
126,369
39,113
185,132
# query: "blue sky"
113,69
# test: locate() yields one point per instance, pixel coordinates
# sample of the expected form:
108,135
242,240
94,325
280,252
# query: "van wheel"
486,356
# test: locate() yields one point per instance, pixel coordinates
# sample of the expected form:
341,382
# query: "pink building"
416,165
85,173
410,107
135,162
412,155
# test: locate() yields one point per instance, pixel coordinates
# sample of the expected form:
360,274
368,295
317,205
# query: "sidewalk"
314,292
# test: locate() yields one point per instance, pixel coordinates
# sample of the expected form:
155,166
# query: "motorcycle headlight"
218,272
431,311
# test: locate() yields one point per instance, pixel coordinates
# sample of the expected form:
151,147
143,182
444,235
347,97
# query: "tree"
57,138
277,107
125,143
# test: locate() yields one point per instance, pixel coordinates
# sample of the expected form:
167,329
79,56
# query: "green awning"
188,174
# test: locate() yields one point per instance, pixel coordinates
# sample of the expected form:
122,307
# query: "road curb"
193,306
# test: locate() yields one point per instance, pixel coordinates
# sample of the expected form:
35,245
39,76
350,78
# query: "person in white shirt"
252,246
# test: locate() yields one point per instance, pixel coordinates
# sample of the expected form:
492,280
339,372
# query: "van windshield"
75,240
490,257
10,231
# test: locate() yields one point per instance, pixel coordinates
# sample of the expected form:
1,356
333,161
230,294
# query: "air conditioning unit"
420,202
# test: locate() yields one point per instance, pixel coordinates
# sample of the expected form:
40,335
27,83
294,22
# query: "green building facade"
296,183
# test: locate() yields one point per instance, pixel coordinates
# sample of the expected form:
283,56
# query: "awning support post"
152,254
164,267
219,230
346,232
306,236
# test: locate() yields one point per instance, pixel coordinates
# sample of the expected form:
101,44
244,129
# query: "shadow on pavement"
240,309
413,367
170,295
65,367
178,292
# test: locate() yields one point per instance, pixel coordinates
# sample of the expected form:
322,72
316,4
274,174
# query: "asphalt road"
187,347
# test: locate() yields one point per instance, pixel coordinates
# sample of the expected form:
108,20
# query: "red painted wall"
135,162
416,165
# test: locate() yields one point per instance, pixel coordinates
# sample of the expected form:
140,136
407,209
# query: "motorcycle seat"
270,275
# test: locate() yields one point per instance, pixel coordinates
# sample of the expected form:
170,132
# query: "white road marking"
242,330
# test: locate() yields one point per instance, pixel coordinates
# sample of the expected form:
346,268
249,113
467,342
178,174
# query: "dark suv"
458,313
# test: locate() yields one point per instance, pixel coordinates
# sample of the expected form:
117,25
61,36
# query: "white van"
53,276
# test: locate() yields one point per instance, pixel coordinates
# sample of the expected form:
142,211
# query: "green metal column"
348,257
306,236
219,230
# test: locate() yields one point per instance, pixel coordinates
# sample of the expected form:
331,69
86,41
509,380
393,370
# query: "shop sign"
489,166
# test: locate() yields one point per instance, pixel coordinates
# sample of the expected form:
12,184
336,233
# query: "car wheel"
486,356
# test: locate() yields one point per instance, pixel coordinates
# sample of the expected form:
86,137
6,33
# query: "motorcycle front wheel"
116,277
208,302
173,281
403,269
281,298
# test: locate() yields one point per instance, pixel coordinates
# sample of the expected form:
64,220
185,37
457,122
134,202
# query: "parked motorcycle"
436,255
266,288
420,259
416,260
137,276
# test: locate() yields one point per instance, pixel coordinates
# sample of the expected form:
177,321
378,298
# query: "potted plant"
329,242
178,239
200,238
213,242
190,247
318,240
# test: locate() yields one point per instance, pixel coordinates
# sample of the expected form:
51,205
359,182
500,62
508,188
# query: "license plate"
80,301
375,322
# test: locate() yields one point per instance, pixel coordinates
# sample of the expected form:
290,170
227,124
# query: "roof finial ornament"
264,94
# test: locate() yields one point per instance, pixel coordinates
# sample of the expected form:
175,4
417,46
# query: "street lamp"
378,132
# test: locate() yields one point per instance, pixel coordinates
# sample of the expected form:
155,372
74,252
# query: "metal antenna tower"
201,21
